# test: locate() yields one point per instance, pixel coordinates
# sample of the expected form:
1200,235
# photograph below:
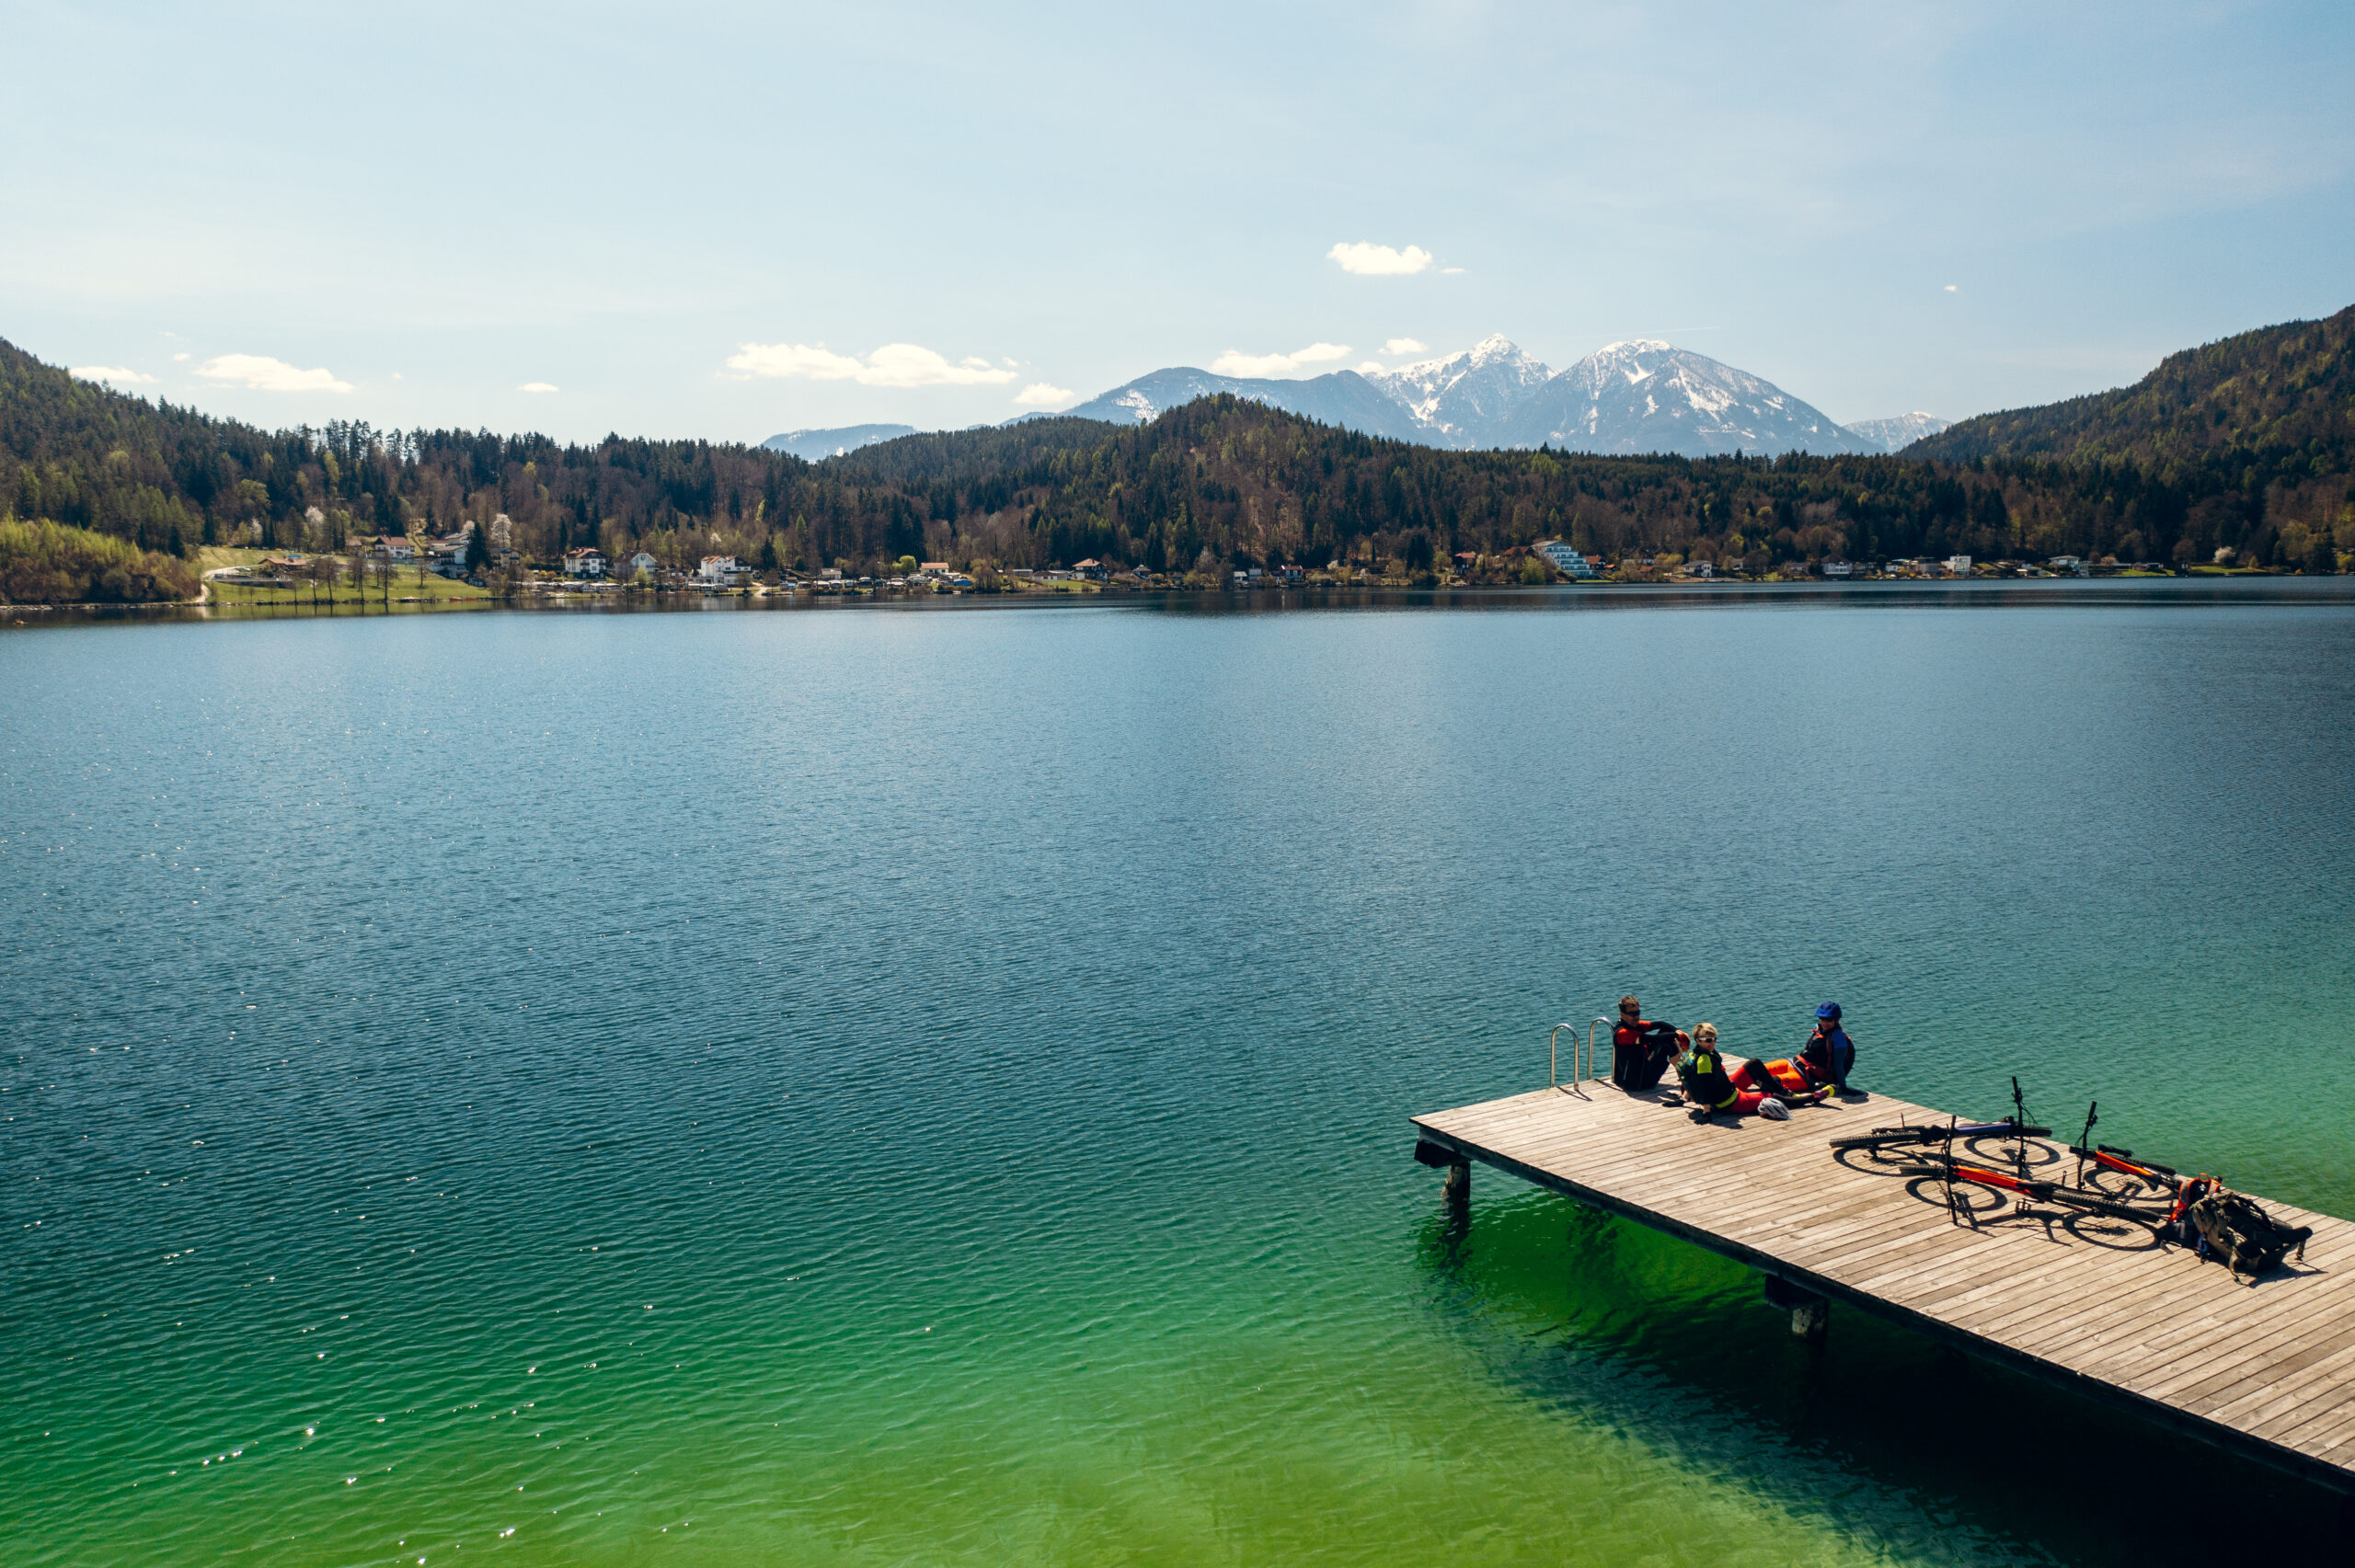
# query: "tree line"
1219,482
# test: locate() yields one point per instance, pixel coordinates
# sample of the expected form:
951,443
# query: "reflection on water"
931,1086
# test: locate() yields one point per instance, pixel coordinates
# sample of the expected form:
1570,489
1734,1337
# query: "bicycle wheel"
1899,1159
1993,1149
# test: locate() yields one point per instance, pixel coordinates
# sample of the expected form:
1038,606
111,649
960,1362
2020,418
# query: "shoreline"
2217,587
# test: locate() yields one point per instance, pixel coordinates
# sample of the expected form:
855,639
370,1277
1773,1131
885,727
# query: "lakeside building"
722,571
393,548
643,564
1838,568
1958,566
2075,565
587,561
1566,560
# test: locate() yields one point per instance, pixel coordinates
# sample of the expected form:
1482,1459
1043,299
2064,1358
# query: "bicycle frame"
2041,1192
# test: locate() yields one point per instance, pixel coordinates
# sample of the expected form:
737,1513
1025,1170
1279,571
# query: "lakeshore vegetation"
2246,446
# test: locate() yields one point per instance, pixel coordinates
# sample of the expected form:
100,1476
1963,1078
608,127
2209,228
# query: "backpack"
2249,1240
1639,1066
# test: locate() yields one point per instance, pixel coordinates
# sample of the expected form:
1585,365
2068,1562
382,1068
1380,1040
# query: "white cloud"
1379,260
535,386
1372,366
1449,271
1039,395
263,374
1234,361
1949,288
108,372
894,364
1403,346
179,357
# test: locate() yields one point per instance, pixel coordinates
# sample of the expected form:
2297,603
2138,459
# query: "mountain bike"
2049,1193
1937,1135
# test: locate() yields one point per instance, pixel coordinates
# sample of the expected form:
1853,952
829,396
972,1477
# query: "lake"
929,1085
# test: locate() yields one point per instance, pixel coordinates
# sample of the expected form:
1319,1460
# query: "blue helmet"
1829,1010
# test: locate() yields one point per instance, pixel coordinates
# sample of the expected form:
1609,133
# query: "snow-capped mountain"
1647,395
815,446
1460,399
1640,396
1900,431
1340,397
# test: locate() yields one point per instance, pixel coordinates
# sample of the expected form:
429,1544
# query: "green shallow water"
930,1087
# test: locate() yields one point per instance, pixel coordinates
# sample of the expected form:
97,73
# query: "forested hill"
2281,396
1216,482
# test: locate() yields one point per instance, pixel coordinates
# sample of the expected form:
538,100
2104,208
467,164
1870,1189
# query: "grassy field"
405,584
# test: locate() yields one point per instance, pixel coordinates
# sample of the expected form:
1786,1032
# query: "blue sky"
706,220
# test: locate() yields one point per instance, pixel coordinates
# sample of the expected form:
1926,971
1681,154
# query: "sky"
729,220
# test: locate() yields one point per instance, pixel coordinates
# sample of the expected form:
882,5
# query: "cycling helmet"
1829,1010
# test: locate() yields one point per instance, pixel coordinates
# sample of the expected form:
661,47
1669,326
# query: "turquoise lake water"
872,1086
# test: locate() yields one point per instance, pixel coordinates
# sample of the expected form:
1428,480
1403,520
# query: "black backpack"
2249,1240
1639,1066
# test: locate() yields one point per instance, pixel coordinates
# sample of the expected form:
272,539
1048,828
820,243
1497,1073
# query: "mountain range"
1640,396
816,446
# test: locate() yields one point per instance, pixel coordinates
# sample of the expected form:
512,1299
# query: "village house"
1093,570
393,548
644,564
721,571
587,561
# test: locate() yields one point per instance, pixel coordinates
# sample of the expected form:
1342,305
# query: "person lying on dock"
1829,1054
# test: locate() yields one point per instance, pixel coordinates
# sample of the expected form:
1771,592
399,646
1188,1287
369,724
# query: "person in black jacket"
1641,1049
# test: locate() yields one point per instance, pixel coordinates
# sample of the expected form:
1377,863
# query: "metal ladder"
1553,1062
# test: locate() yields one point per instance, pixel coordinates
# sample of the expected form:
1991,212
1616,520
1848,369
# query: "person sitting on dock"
1829,1055
1707,1083
1641,1049
1751,1087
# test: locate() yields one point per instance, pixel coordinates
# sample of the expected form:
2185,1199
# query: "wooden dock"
2095,1305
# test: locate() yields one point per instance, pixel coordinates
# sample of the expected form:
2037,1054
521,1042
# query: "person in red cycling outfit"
1641,1049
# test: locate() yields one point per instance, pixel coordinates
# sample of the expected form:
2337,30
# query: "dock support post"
1458,1189
1811,1313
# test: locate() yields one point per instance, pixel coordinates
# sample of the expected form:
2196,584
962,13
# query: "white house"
1958,565
1567,561
2073,564
643,564
586,562
1838,568
719,571
393,548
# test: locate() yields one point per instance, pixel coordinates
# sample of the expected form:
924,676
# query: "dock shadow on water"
1876,1434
